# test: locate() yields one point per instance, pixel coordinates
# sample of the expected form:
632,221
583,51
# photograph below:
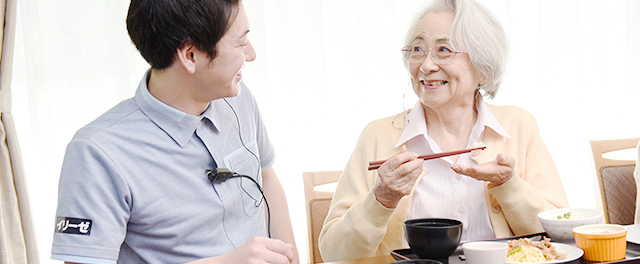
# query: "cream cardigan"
358,226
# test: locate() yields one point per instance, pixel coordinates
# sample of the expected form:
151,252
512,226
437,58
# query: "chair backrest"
318,203
615,179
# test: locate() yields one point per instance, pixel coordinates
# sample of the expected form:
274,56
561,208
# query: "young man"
139,184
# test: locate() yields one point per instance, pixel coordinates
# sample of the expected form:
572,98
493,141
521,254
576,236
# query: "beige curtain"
17,239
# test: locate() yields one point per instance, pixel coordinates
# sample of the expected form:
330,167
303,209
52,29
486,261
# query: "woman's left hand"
496,172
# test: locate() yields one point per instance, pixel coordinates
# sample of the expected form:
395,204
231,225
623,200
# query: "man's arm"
282,242
256,250
262,248
280,220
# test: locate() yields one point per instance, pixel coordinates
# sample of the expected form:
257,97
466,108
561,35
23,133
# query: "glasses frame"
408,50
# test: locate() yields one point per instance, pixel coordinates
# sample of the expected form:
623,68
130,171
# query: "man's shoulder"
118,117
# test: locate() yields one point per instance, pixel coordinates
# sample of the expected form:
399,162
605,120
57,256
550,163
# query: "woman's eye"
444,50
418,49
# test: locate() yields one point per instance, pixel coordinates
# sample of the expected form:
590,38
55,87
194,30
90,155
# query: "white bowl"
483,252
562,229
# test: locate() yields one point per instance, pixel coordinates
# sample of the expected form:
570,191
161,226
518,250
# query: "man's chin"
231,91
235,90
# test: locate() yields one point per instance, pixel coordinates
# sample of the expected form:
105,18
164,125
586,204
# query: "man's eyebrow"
244,34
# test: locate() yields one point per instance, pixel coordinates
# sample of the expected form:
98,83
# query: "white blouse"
442,193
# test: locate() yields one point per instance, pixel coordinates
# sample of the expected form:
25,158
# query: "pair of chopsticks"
374,165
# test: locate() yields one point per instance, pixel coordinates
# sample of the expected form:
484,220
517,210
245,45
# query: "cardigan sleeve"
357,223
537,186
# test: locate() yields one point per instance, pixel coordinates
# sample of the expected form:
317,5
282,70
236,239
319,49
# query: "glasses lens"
443,53
416,54
413,53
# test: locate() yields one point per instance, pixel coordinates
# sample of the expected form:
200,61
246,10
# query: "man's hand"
258,250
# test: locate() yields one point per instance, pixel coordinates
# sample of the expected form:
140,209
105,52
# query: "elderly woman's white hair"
476,31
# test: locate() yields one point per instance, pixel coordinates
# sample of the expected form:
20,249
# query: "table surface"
374,260
633,252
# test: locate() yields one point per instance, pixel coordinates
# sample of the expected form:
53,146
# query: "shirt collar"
415,124
487,119
177,124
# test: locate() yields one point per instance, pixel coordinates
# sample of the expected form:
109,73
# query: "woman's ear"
481,79
186,56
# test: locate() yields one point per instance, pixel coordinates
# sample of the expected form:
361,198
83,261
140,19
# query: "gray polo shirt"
133,185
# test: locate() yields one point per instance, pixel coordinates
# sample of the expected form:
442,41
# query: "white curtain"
17,235
324,69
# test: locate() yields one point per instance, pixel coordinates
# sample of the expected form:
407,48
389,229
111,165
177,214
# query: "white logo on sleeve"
69,225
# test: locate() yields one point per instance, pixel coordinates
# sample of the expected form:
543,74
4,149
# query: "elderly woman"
455,55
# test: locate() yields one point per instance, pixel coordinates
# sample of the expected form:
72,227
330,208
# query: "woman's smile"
432,84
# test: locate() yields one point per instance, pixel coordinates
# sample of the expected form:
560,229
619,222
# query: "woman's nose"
429,64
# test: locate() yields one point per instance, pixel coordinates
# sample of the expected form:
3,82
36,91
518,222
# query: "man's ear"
186,56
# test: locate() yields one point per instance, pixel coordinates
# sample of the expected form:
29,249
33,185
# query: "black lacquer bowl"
433,238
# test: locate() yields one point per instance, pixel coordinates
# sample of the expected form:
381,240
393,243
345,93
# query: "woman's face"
440,82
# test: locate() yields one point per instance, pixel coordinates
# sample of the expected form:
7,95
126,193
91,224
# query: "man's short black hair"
158,28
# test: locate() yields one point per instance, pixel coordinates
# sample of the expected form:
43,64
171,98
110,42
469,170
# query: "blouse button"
495,208
458,177
461,210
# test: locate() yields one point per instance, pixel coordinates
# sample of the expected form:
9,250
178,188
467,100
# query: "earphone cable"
257,172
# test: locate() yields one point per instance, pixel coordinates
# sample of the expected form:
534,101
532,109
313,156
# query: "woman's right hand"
396,177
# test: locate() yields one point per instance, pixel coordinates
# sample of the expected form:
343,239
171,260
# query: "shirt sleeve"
267,152
93,204
78,259
265,148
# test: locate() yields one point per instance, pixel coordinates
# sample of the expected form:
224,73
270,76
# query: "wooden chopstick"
374,165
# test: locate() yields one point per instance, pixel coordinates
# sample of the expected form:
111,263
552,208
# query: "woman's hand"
495,172
396,177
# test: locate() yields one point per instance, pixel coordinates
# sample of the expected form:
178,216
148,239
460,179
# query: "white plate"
633,233
572,252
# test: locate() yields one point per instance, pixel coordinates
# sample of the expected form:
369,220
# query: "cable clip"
219,174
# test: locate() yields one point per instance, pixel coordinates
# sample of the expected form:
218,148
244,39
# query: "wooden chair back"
318,203
616,181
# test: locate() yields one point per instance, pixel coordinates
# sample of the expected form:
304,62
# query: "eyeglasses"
441,53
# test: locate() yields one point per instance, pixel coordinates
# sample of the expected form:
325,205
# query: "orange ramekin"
602,242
